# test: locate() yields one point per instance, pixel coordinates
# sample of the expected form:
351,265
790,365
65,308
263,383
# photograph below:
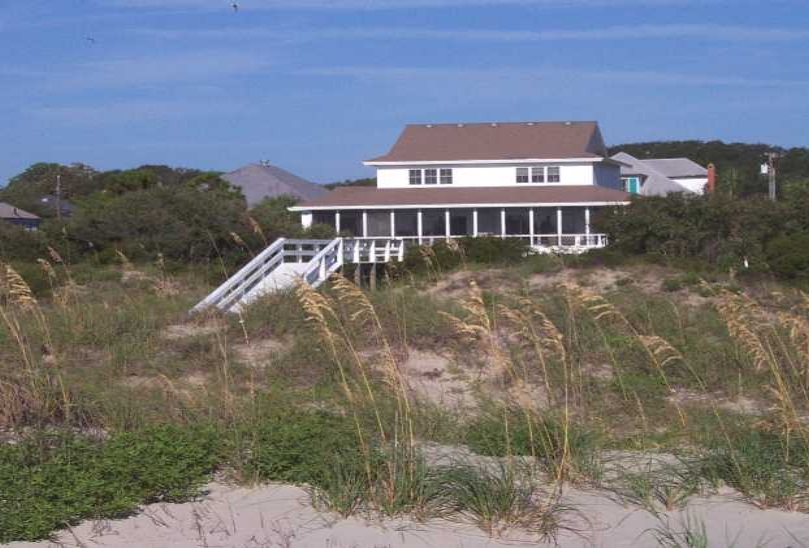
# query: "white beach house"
540,181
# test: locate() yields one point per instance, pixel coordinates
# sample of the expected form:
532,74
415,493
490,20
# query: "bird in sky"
235,6
90,39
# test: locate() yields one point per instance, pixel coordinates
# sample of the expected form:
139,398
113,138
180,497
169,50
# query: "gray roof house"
262,180
18,216
658,177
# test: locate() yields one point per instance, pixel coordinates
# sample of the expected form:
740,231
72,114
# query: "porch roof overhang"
464,197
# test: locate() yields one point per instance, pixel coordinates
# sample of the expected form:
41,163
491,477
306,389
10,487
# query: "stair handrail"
259,262
319,259
234,297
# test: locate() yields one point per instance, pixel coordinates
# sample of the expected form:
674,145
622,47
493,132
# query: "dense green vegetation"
55,479
147,213
746,235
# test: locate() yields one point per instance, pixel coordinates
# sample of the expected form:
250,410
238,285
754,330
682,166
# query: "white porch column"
392,223
502,222
531,224
306,219
587,221
447,224
337,222
475,222
420,226
364,224
559,226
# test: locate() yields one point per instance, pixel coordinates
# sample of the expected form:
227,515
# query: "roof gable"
496,141
260,181
8,211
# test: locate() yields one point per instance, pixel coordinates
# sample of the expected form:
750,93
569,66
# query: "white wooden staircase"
289,261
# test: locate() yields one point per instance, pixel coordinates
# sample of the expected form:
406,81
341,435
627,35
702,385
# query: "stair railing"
237,285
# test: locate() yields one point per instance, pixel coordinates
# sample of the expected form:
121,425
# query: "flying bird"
235,6
90,39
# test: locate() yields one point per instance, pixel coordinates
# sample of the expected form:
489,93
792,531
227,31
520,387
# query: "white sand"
273,516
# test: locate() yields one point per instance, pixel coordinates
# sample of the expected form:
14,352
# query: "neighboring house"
658,177
262,180
539,181
17,216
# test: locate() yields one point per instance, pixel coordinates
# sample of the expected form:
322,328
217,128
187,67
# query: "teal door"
632,185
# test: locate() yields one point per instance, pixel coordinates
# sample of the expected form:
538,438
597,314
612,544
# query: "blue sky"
316,86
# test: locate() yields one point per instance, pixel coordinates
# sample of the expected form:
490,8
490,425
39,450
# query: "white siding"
695,185
489,175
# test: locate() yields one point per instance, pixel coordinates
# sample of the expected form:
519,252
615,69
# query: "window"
430,176
522,174
446,176
537,174
415,176
553,175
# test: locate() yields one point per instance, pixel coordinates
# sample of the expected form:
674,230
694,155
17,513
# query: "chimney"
710,186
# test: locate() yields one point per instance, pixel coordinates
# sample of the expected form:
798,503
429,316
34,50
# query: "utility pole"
59,196
771,158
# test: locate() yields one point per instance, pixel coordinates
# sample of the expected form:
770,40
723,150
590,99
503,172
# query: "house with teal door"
662,176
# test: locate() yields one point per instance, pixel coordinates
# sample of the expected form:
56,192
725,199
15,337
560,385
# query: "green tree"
182,223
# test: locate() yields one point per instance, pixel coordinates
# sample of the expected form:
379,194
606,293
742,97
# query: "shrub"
53,481
484,250
182,223
435,258
493,250
788,255
715,228
19,244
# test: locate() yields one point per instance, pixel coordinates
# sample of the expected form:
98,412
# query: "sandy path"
280,516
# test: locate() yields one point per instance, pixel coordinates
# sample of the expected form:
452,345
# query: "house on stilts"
541,182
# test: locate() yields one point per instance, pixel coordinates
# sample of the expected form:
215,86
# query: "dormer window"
522,174
430,176
537,174
446,176
415,176
554,175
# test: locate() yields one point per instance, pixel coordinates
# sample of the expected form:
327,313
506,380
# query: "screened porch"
543,227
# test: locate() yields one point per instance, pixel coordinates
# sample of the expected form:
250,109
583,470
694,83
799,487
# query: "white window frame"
431,176
538,174
445,176
523,173
557,178
415,177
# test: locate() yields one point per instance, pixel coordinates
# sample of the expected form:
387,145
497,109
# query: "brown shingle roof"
496,141
359,197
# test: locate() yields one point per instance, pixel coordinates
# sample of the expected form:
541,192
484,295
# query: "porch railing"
379,244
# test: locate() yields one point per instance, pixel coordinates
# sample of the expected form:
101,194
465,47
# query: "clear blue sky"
316,86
